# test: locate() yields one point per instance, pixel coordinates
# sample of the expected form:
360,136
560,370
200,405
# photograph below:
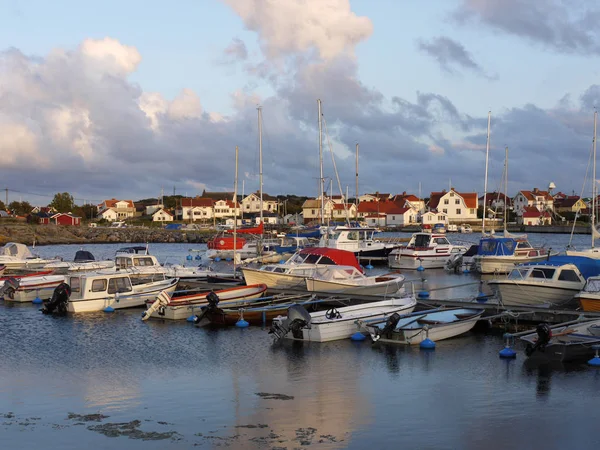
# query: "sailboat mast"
321,179
235,210
487,154
356,199
594,200
505,184
260,163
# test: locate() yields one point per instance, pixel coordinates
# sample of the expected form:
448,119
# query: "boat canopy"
83,256
339,257
16,250
497,246
588,267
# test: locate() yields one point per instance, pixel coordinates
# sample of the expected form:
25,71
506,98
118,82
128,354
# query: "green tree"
20,208
2,206
63,202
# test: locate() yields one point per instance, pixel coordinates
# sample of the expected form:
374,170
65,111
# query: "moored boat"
436,325
82,262
337,323
589,296
26,289
562,342
182,307
550,283
429,250
502,254
350,280
359,240
15,256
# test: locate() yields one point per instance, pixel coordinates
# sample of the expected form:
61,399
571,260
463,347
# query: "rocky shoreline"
52,234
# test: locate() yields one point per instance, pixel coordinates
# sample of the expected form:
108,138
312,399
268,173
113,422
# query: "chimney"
535,190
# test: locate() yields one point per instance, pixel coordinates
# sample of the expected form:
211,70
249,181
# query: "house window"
446,202
393,217
457,202
458,211
451,194
445,211
313,212
472,211
441,218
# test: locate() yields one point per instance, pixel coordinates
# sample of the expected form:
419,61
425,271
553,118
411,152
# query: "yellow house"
570,204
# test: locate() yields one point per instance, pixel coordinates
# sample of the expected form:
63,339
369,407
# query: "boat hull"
521,293
141,294
273,279
416,336
32,287
352,317
181,308
412,262
384,288
503,264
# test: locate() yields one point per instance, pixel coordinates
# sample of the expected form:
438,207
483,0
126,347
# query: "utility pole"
356,199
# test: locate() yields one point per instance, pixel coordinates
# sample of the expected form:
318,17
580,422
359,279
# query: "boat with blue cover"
434,324
549,283
502,254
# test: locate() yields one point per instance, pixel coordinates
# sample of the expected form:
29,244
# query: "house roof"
567,202
162,210
266,197
531,211
470,198
197,202
64,214
312,203
342,207
112,203
530,195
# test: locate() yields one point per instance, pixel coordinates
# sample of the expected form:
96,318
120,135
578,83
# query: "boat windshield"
441,241
422,240
592,285
518,273
542,272
523,244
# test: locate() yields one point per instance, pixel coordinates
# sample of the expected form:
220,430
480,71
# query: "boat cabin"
316,256
508,247
99,285
557,268
348,238
423,241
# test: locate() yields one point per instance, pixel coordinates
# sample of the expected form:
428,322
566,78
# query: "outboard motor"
213,305
59,301
390,324
544,333
9,288
162,300
454,262
297,319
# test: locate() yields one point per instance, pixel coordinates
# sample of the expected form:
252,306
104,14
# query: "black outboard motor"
9,288
59,301
297,319
390,324
213,305
544,333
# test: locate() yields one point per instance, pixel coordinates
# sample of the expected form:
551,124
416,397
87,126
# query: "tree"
2,206
20,208
63,203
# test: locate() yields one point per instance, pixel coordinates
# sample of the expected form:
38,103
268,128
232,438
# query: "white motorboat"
550,283
179,308
188,273
358,240
26,289
502,254
429,250
302,264
95,291
14,256
436,324
84,261
465,228
350,280
336,323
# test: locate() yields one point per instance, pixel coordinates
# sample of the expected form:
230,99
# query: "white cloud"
110,55
185,106
296,26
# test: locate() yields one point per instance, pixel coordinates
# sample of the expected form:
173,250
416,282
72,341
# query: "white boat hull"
406,261
521,293
503,264
185,309
141,294
325,330
273,279
438,333
32,287
387,288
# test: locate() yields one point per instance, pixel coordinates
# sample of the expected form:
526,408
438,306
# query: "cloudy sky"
125,98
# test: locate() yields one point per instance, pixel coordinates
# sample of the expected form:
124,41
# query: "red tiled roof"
531,211
470,199
112,203
340,206
530,195
197,202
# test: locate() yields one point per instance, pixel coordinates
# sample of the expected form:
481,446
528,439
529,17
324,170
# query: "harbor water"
111,381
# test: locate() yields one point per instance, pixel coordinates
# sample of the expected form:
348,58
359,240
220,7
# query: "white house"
374,197
197,208
458,207
431,218
342,211
121,209
162,216
251,203
293,219
400,217
226,208
375,220
311,210
268,218
409,201
151,209
541,200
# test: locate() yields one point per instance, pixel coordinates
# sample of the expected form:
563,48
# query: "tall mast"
594,200
321,179
505,184
487,154
356,199
235,187
260,164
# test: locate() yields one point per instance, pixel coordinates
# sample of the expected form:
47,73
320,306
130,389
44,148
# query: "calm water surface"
163,385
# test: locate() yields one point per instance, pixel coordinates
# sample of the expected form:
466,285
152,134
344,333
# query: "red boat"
252,230
222,242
